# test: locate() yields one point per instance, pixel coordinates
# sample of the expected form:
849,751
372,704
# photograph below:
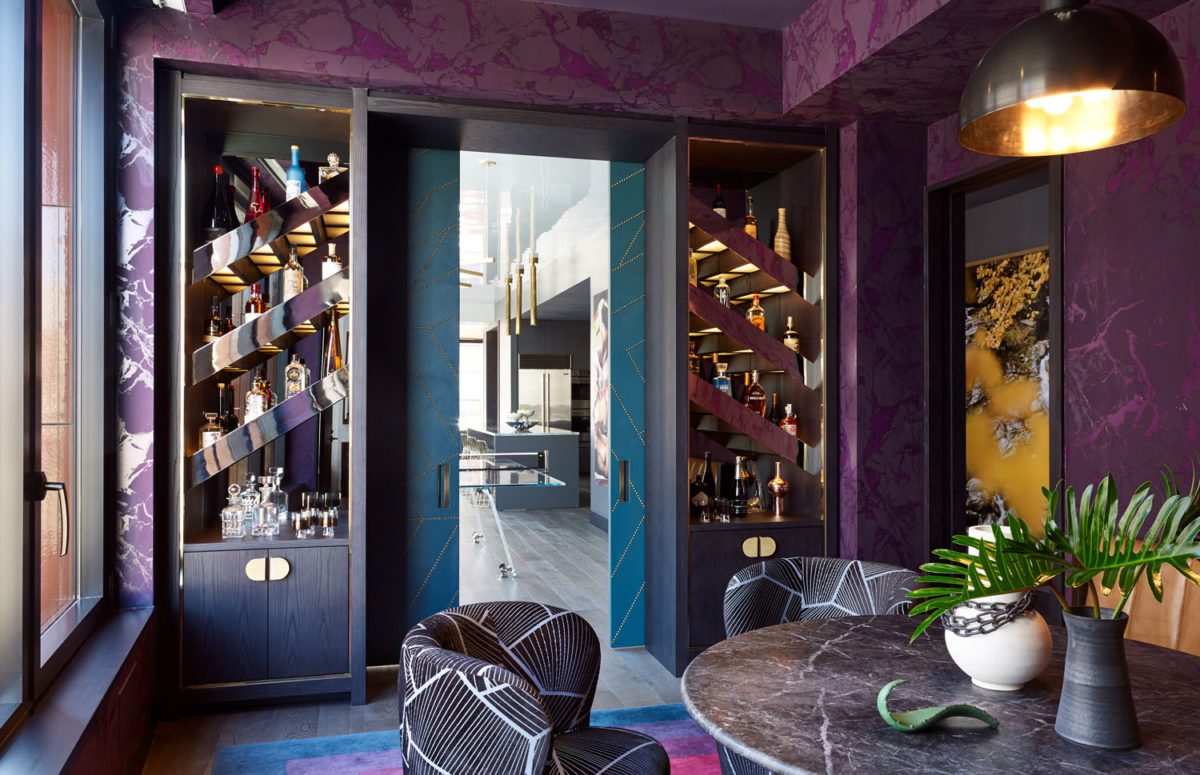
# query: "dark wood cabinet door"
224,618
718,554
309,613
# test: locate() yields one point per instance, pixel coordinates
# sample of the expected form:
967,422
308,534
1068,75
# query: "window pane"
57,347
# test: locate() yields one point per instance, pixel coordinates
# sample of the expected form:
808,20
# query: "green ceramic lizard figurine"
923,718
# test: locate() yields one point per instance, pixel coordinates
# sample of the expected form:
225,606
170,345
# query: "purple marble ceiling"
901,60
766,14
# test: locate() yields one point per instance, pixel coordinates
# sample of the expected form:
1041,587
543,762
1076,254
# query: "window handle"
64,516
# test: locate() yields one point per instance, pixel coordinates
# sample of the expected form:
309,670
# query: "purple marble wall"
1132,287
501,50
882,373
945,158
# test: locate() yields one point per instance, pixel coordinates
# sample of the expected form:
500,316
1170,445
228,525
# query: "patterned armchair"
789,589
506,688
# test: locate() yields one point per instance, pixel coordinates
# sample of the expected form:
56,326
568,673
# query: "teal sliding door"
627,410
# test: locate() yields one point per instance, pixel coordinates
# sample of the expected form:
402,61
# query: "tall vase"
1096,706
783,240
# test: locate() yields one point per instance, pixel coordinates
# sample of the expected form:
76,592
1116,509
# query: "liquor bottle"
213,325
333,347
331,264
332,167
295,377
217,218
756,315
258,397
255,204
693,358
718,204
712,371
293,276
791,339
209,430
295,176
789,423
230,202
751,223
225,417
740,394
693,269
773,414
255,305
708,482
721,381
228,323
722,292
755,398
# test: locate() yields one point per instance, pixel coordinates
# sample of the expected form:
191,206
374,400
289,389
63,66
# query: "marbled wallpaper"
1132,287
882,379
496,50
946,159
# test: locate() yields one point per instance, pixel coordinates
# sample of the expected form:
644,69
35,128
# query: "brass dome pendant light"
1076,77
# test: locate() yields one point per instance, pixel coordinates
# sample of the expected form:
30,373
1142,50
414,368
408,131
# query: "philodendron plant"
1097,546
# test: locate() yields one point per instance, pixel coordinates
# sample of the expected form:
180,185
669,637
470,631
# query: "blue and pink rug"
692,751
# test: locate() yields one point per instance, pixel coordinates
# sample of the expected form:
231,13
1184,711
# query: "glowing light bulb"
1060,139
1034,140
1095,96
1054,104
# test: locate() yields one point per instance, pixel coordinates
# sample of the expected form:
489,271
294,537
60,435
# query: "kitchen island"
562,448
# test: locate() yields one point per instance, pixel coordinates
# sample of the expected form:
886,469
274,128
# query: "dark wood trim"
321,687
944,334
359,272
831,306
221,87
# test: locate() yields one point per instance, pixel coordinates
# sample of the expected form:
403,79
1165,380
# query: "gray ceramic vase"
1096,707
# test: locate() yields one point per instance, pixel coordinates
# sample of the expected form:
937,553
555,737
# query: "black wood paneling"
224,619
309,613
717,554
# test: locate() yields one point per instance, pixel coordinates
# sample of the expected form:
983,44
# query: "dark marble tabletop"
800,698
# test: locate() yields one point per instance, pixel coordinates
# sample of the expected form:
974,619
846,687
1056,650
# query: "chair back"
789,589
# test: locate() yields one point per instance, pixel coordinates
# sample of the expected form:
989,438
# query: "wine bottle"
293,276
718,204
756,315
773,415
708,482
295,176
230,201
750,225
225,417
755,397
331,264
217,218
255,305
213,329
254,206
791,339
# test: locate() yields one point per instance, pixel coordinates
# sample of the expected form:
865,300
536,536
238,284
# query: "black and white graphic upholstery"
506,688
790,589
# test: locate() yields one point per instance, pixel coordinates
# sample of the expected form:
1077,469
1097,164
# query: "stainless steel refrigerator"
544,385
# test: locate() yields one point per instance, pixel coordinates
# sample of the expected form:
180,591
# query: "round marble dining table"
800,698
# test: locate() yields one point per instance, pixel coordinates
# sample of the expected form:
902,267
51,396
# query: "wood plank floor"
561,560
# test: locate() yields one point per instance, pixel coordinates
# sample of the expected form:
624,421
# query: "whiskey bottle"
333,166
751,223
722,292
213,325
333,347
791,339
708,483
789,423
721,381
331,264
756,315
217,218
773,414
293,276
225,416
295,377
258,397
718,204
755,397
256,204
693,358
255,305
209,430
296,184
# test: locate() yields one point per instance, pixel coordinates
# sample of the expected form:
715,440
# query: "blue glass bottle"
721,381
295,176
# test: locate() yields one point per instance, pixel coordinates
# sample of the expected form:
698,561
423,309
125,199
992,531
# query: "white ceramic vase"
1012,655
783,238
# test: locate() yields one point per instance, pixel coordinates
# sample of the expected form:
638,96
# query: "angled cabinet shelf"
733,323
733,238
223,257
742,420
254,342
281,418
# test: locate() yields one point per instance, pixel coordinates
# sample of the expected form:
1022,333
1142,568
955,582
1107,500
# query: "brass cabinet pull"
443,486
256,569
759,546
278,569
